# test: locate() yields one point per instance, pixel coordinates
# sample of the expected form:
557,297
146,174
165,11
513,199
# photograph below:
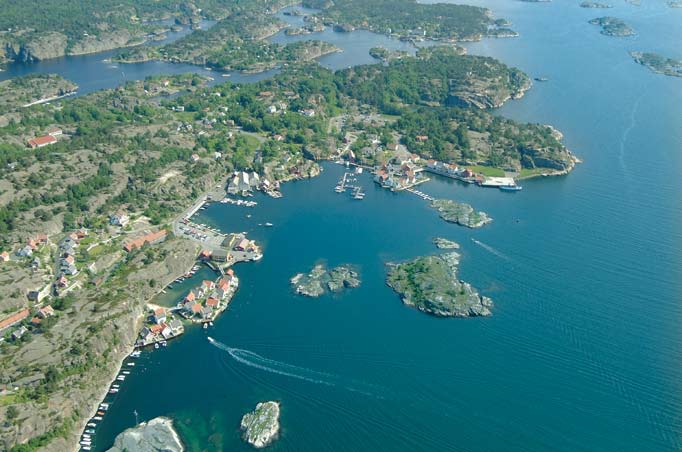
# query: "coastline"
50,99
126,350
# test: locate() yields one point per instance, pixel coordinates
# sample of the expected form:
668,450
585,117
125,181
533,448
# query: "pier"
421,194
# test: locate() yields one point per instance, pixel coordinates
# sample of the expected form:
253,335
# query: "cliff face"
42,47
105,41
54,45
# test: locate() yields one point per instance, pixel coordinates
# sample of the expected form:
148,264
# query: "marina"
348,182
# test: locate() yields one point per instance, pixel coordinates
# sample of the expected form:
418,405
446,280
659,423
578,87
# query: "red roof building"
153,237
212,302
14,318
39,142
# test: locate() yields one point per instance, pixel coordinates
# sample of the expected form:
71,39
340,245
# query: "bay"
583,350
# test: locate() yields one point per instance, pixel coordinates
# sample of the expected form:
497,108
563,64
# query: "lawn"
531,172
487,170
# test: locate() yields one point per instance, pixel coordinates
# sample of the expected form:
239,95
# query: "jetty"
421,194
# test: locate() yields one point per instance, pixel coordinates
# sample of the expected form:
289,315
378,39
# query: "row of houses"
20,316
209,299
448,170
32,244
398,176
160,326
243,183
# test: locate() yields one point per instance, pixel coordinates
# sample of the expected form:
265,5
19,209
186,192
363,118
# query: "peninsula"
408,19
261,426
431,285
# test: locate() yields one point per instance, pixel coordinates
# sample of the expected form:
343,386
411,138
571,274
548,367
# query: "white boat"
91,424
205,325
268,225
156,345
86,448
126,372
131,364
97,418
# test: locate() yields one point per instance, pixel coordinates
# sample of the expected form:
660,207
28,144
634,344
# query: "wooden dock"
421,194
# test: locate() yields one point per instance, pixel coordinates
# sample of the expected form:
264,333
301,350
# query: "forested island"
431,285
408,19
658,63
236,42
612,26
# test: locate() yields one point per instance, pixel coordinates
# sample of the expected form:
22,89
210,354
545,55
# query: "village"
85,257
395,168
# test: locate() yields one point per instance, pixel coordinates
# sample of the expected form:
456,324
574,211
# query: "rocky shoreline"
157,435
261,426
460,213
445,244
430,284
612,26
320,280
658,64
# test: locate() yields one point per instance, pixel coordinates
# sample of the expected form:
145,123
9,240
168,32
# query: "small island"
460,213
320,280
612,26
659,64
430,284
445,244
595,5
261,426
384,54
157,435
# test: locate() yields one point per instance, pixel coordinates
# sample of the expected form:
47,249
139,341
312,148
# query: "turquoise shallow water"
583,352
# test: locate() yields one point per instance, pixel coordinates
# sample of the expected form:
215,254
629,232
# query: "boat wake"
251,359
626,133
491,250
